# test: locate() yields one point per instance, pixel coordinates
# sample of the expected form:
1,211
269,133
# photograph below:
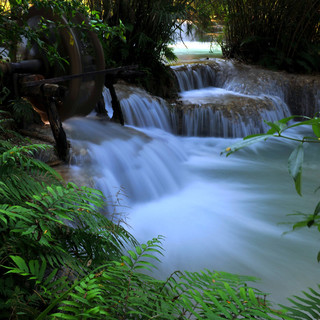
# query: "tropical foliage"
281,34
55,228
14,27
150,28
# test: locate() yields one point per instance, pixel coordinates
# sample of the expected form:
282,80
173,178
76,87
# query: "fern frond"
215,295
305,307
143,254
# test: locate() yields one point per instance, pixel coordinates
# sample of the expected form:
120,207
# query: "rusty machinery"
84,55
77,87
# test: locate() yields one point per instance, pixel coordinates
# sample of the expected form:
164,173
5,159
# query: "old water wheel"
82,52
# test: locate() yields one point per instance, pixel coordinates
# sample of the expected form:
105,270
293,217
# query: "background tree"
281,34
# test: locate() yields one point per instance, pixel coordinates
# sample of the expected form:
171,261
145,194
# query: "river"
215,212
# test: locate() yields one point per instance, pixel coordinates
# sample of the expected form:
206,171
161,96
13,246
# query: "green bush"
50,225
281,34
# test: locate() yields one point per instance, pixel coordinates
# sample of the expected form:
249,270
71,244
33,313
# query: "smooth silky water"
217,213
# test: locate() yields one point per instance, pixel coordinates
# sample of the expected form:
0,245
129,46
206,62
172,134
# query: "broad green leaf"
246,142
34,266
316,129
21,264
295,162
310,122
275,126
138,250
287,119
243,293
317,209
253,296
127,260
133,255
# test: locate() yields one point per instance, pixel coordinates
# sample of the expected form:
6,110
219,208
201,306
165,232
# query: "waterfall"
142,110
192,77
221,113
222,99
124,157
300,93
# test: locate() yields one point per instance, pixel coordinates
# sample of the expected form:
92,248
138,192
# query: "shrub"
281,34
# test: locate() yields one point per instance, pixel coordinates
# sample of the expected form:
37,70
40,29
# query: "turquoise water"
189,51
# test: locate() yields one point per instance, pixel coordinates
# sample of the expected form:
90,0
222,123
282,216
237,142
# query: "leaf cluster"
45,226
117,290
278,129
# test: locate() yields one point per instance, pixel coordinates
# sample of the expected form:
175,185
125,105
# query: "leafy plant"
117,290
22,111
306,307
276,34
51,226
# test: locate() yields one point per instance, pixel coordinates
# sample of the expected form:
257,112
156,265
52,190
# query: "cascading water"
301,93
215,212
140,109
214,104
221,113
142,163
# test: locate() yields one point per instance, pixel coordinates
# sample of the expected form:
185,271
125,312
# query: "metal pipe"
25,66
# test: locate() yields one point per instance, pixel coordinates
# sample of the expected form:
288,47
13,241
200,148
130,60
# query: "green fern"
118,290
306,307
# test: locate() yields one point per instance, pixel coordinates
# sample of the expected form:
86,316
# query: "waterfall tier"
300,93
221,113
123,157
142,110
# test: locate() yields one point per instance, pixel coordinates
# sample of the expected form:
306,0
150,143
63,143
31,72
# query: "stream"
215,212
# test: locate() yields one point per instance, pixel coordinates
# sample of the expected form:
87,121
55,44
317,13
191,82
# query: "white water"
223,113
189,47
140,109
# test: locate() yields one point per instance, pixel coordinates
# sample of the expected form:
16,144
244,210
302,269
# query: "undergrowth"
61,258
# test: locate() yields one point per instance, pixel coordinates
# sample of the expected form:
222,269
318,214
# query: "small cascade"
191,77
107,101
217,100
140,109
122,157
245,117
300,93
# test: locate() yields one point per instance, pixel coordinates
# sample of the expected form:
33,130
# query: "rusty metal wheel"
92,58
83,52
